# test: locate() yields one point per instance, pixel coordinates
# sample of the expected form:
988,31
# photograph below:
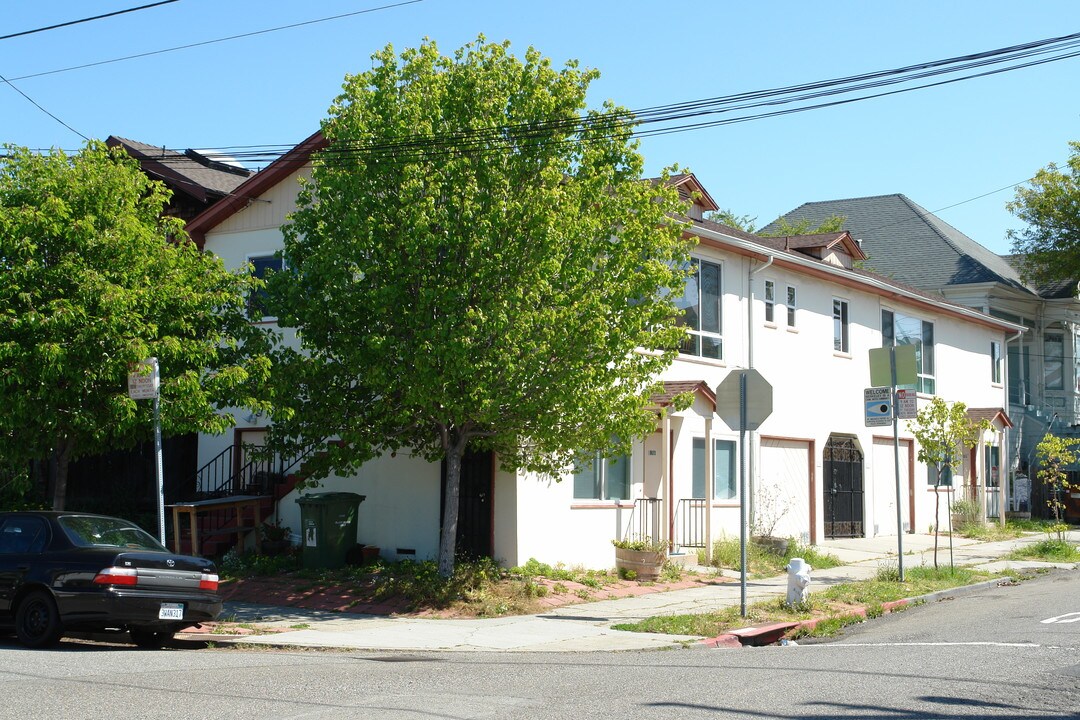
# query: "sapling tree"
944,431
1054,455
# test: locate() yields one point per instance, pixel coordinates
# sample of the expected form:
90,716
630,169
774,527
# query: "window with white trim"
995,362
840,325
770,301
900,329
1054,361
932,475
701,308
724,485
600,478
791,306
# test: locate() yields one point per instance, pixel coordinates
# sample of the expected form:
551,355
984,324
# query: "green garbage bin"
328,525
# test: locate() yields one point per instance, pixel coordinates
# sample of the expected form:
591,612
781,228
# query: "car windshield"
89,531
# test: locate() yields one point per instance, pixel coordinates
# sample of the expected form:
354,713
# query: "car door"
22,540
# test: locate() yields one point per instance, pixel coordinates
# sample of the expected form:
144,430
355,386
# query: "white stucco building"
792,308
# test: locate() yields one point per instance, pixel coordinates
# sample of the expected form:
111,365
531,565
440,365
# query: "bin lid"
327,498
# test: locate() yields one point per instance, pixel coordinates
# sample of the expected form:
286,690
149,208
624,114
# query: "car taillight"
209,581
117,576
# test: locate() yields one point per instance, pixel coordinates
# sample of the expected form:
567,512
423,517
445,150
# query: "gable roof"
255,186
992,414
190,172
674,388
907,242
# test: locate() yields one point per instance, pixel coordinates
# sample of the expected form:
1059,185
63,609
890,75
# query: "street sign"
759,399
878,406
143,380
907,404
907,372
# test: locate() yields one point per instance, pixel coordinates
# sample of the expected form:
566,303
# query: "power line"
84,20
35,104
217,40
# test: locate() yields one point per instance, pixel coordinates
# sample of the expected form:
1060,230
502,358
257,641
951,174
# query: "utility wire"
217,40
600,125
76,22
35,104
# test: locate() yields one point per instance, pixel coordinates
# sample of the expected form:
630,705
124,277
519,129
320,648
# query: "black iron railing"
690,523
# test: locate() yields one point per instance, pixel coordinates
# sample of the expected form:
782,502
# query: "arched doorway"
842,487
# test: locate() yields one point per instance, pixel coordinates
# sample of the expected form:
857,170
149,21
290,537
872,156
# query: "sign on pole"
907,404
143,383
877,402
143,380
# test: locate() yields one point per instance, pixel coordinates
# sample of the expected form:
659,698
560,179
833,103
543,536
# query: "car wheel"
37,621
149,638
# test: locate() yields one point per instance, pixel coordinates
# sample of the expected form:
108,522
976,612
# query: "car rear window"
88,531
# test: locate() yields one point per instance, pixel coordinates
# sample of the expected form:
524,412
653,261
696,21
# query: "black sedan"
74,572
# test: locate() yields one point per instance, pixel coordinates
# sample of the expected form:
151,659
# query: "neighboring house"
906,242
795,309
124,482
196,181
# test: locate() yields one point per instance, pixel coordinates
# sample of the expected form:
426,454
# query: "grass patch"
1049,550
988,531
762,562
833,605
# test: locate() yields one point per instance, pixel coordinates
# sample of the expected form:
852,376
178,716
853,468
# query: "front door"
474,530
842,487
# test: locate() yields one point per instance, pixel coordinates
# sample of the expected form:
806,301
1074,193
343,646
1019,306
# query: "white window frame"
598,466
995,362
733,484
792,303
926,358
841,326
770,301
696,337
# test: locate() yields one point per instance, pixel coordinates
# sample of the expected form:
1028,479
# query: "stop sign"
759,395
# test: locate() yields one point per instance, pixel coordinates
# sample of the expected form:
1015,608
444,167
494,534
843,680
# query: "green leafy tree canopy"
1055,454
1050,244
92,280
784,228
476,262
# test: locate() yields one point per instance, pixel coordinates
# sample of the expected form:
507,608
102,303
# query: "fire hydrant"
798,581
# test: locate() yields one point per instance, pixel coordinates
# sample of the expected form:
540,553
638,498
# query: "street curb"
768,634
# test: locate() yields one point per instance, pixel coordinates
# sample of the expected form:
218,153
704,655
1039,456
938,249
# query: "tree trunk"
448,540
58,468
937,512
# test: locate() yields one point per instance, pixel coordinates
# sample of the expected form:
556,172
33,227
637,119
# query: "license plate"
171,611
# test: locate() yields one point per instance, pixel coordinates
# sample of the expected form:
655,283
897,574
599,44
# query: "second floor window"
1053,360
770,301
260,266
995,362
791,305
840,326
701,308
900,329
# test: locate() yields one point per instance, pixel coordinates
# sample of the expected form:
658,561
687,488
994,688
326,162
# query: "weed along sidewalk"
635,616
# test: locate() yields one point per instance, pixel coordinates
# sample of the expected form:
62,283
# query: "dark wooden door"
475,504
843,489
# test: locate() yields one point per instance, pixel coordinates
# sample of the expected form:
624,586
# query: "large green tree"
92,280
747,223
1050,244
476,263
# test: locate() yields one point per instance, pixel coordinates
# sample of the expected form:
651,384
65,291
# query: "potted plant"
275,537
639,558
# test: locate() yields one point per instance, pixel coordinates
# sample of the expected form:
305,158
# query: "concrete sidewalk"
586,627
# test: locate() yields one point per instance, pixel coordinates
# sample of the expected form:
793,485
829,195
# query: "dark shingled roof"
908,243
190,172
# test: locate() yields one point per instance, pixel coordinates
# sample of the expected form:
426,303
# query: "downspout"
1006,472
750,365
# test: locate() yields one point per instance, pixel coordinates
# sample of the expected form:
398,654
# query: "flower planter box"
645,564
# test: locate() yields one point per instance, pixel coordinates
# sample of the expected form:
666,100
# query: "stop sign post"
744,399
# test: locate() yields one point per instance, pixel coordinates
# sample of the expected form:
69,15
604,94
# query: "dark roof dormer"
837,248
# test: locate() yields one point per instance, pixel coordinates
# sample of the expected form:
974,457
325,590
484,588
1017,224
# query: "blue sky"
940,146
